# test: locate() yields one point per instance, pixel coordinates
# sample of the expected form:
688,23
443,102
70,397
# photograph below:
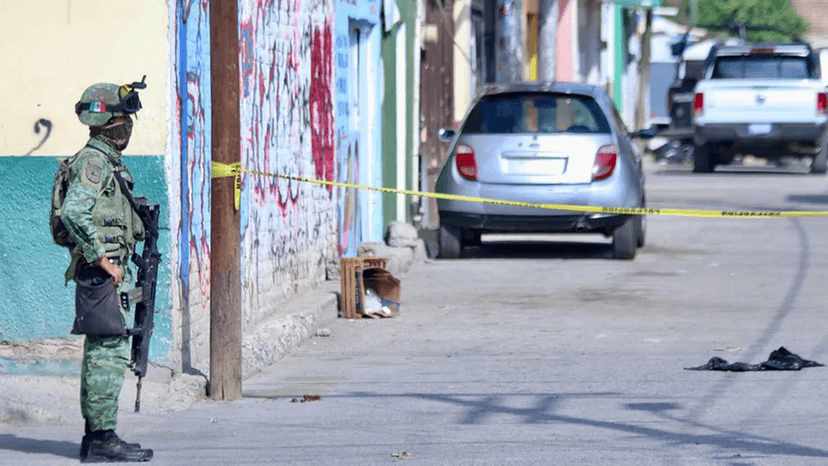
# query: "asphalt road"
542,350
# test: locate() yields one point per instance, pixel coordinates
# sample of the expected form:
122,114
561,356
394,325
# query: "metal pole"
644,73
510,60
620,57
547,40
225,254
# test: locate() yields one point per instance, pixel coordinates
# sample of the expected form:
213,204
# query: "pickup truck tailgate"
766,102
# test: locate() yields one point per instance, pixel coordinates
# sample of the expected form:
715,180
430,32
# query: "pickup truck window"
762,67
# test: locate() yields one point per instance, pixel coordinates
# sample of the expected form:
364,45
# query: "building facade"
312,90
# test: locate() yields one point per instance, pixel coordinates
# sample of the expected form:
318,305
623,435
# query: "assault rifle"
144,293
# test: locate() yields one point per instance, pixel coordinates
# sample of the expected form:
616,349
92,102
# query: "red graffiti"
321,105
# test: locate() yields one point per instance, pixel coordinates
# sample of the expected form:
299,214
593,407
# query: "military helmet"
103,101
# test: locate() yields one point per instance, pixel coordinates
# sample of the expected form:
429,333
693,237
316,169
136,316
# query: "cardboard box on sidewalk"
367,272
353,288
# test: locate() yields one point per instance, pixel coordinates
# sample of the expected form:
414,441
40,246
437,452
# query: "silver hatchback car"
551,143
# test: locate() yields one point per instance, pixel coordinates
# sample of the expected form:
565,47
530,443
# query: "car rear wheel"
820,163
451,242
624,240
702,162
640,230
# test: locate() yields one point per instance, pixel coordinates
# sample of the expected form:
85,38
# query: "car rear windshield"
762,67
544,113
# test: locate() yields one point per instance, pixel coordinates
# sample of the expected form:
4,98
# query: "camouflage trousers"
105,360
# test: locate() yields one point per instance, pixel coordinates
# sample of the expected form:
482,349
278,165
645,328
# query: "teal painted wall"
34,302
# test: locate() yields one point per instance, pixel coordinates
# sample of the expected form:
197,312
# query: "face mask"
117,132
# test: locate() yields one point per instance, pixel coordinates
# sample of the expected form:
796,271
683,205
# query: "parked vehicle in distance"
764,100
535,142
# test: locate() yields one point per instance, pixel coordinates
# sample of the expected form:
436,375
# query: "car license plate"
759,128
539,166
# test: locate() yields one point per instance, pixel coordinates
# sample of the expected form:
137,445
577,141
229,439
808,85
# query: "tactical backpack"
63,176
60,235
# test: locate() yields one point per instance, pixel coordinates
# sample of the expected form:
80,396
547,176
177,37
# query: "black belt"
114,260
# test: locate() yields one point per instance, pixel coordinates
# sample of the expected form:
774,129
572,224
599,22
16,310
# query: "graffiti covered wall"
287,82
193,171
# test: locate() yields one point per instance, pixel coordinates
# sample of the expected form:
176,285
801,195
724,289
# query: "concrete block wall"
287,128
288,228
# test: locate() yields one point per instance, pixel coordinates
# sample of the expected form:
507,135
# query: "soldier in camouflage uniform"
104,228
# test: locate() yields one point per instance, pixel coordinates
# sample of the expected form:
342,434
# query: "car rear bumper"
577,222
741,133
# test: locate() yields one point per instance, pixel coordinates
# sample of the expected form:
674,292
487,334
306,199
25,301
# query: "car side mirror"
648,133
446,134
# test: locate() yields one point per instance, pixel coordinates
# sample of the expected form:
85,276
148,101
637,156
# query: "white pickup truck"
764,100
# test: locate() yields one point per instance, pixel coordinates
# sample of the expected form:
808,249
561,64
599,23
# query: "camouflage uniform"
102,223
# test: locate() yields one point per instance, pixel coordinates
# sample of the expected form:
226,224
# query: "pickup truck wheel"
624,241
451,242
702,162
819,164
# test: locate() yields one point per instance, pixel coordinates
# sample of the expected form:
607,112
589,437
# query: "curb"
42,399
275,338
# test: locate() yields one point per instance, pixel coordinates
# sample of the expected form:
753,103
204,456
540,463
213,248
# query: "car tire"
624,241
702,162
451,242
819,165
640,222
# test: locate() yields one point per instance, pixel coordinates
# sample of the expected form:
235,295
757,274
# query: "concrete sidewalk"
40,400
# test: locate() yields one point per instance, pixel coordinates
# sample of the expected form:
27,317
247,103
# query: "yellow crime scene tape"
222,170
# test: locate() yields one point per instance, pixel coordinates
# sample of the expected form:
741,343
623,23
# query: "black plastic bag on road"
779,360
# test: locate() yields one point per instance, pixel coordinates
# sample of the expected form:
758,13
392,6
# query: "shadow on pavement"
503,248
38,446
808,198
480,405
731,170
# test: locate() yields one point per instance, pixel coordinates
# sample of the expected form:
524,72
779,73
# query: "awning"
637,4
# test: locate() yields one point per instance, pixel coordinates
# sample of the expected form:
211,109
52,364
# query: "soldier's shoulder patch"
93,171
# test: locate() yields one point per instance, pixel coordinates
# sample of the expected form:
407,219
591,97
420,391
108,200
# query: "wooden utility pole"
225,254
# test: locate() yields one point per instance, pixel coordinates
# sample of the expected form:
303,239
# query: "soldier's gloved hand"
110,268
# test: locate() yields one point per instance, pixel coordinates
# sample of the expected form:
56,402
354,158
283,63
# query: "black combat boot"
105,446
87,440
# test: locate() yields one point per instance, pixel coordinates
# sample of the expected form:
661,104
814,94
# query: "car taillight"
466,164
605,161
698,104
822,103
